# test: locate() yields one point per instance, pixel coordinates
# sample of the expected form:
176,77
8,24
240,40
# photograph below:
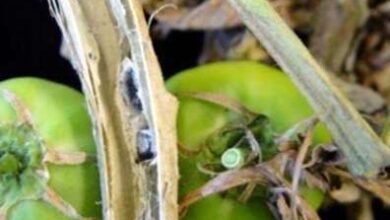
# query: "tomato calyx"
21,153
238,144
20,149
24,158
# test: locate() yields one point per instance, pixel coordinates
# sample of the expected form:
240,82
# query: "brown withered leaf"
303,149
378,187
336,23
247,193
386,132
295,131
346,193
313,180
211,14
232,44
364,99
227,180
301,208
327,154
304,210
248,48
283,208
382,81
269,174
312,177
373,61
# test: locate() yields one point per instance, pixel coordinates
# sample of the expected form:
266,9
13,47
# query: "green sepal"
20,160
234,135
264,135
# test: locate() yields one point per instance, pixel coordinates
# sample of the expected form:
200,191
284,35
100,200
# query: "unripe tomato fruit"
38,117
261,89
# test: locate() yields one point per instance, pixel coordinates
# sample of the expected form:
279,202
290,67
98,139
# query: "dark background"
30,42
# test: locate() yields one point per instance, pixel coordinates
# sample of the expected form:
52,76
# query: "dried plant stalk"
366,154
100,36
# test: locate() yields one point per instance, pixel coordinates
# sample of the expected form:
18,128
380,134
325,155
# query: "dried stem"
98,37
364,150
298,170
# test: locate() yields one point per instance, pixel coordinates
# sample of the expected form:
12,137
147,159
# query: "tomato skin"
60,117
259,88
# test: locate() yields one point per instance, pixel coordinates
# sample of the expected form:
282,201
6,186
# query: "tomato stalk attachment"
234,158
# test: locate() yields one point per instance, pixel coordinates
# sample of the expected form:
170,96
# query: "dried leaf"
364,99
334,30
326,154
283,208
298,166
305,212
294,131
382,81
218,14
347,193
51,197
227,180
247,193
232,44
386,132
248,48
379,188
66,158
211,14
314,181
22,113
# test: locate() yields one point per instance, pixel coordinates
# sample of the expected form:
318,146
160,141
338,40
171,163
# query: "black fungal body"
131,89
131,94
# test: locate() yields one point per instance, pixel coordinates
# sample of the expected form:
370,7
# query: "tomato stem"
234,158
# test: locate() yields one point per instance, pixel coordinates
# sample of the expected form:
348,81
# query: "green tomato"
261,89
48,164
